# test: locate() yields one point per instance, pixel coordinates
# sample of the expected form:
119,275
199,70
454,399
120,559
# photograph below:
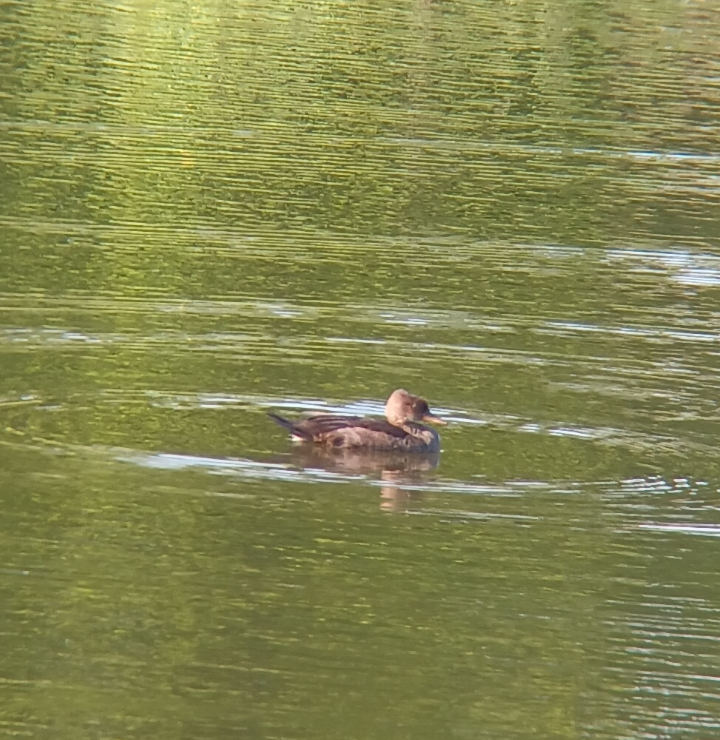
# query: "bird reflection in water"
397,471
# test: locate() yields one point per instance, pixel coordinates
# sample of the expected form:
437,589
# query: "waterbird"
400,432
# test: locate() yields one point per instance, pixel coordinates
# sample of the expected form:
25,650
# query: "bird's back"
358,432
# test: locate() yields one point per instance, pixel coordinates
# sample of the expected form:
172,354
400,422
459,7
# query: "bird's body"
401,431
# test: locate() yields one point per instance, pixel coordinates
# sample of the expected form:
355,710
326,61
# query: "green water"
211,210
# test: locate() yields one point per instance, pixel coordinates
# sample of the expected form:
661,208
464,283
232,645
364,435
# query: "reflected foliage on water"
210,211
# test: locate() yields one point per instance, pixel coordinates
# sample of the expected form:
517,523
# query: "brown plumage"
400,432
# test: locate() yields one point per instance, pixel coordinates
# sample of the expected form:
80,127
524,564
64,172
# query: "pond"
211,211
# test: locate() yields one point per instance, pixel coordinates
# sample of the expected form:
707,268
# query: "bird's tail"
293,428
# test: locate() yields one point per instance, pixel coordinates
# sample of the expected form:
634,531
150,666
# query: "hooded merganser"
400,432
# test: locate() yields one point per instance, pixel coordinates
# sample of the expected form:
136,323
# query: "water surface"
211,211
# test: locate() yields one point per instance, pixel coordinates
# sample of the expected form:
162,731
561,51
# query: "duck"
401,431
